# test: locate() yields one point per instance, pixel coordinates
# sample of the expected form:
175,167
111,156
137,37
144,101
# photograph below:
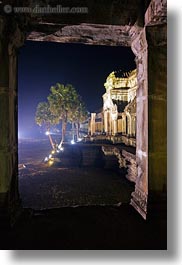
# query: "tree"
79,115
44,117
64,102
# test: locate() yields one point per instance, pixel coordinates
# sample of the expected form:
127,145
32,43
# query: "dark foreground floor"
112,226
91,227
62,187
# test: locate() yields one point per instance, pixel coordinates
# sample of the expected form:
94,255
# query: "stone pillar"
10,38
157,113
123,124
115,127
129,124
105,122
6,158
93,115
109,122
120,125
140,195
150,49
133,125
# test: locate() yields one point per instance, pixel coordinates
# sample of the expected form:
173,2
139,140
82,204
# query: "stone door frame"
139,39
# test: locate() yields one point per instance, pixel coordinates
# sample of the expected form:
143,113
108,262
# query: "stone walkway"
44,187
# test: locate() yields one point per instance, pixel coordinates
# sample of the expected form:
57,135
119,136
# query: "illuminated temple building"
118,115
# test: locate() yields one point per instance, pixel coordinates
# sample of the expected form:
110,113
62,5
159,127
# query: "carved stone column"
156,34
10,39
129,124
140,195
93,115
115,127
5,95
149,46
133,125
105,122
123,123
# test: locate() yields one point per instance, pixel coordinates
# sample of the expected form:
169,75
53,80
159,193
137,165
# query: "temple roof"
122,74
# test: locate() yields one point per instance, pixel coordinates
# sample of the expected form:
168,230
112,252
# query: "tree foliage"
44,117
66,104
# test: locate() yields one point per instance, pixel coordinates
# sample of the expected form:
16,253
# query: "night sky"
43,64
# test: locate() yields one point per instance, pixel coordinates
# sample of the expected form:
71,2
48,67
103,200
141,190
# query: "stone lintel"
92,34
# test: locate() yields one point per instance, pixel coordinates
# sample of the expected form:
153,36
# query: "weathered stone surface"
139,202
157,90
130,163
98,12
125,160
139,47
88,34
114,151
156,12
8,109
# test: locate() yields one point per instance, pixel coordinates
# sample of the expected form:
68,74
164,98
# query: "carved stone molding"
139,201
139,44
139,196
131,107
131,165
139,47
121,160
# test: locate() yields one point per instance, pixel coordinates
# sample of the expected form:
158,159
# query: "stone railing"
131,165
130,141
125,160
111,150
115,139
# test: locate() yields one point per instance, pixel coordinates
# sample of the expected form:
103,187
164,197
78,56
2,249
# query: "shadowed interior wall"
157,94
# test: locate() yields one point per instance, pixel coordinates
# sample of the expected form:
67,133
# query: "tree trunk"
73,131
77,130
51,141
63,131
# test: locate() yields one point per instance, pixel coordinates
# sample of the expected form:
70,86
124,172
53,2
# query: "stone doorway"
146,35
62,185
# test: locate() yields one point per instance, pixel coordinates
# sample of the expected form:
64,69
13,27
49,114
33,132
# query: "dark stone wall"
157,115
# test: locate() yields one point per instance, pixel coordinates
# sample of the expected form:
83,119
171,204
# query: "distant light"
62,148
72,142
51,162
53,152
47,133
50,156
46,159
57,151
79,139
19,135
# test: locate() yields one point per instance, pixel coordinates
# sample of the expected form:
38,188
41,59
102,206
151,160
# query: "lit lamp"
47,133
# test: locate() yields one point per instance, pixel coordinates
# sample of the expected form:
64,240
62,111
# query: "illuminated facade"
118,115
